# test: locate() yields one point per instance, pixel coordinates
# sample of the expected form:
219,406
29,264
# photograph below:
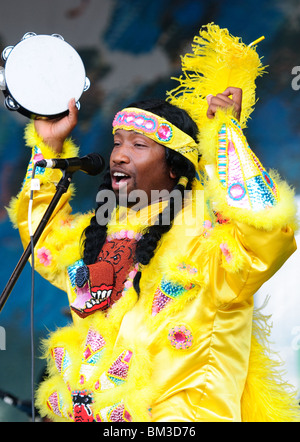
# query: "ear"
172,174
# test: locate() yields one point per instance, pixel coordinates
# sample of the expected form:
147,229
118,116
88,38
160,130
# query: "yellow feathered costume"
190,347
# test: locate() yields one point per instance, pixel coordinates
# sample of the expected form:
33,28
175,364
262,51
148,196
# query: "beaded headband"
158,129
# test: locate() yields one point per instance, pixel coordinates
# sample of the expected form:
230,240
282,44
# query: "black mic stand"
61,188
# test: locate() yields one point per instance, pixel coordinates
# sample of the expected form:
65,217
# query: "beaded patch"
82,401
72,269
118,372
180,337
54,403
167,291
61,359
114,413
93,350
248,184
44,256
98,286
36,156
146,123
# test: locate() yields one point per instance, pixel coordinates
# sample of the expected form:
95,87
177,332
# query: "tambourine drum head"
43,73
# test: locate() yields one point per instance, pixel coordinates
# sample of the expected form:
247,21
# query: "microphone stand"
61,188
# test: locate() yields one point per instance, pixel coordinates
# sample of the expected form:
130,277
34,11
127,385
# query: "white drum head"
43,73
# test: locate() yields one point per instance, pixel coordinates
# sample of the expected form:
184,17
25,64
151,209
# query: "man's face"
139,163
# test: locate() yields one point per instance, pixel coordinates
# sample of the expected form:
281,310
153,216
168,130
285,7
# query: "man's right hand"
54,132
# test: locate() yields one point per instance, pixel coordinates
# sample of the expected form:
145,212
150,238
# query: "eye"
116,259
140,144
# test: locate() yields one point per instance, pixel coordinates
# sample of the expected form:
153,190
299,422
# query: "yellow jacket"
191,346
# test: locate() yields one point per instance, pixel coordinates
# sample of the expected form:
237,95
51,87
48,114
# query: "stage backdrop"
131,49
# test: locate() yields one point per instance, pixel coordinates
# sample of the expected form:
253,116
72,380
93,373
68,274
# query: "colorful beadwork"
44,256
142,121
61,359
158,129
93,351
82,401
124,234
114,413
54,403
118,372
164,132
166,292
36,156
72,269
180,337
94,344
248,184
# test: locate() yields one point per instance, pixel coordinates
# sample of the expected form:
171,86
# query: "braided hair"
95,234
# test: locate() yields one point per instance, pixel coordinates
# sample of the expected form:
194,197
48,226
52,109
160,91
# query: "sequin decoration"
180,337
114,413
36,156
248,184
118,371
61,359
166,292
54,403
164,132
82,403
93,351
94,345
44,256
72,269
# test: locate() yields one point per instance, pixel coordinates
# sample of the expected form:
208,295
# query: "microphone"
92,164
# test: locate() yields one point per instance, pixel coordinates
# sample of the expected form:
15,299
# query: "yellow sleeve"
257,208
59,243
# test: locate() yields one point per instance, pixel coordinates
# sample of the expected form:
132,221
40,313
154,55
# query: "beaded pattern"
114,413
54,403
149,124
118,372
82,403
180,337
168,291
61,359
36,156
94,344
72,269
248,184
93,351
124,234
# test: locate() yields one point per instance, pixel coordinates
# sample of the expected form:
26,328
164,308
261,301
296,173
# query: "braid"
95,234
149,242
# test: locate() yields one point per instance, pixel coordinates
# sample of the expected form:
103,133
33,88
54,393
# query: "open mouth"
119,179
88,302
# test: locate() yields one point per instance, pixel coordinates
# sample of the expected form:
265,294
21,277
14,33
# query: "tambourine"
41,74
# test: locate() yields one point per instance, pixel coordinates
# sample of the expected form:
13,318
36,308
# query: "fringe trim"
267,396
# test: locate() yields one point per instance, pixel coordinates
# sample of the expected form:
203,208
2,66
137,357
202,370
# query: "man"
163,312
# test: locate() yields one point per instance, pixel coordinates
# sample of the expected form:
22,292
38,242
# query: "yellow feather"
218,61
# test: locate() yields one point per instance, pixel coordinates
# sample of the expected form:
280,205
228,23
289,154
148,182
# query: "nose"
120,154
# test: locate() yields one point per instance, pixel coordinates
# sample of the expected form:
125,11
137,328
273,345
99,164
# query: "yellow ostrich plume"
218,61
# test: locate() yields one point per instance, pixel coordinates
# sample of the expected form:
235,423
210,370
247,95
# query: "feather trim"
218,61
267,396
32,138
